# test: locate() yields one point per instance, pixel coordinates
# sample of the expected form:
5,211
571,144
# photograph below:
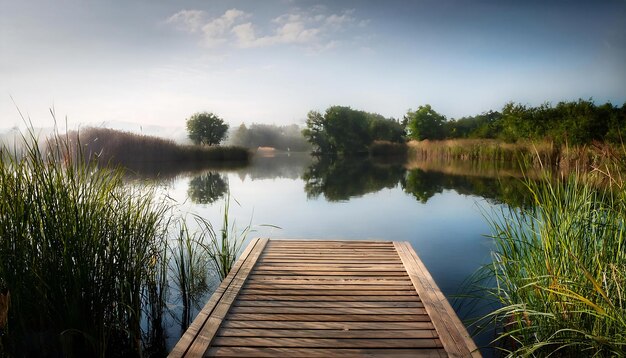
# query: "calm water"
438,209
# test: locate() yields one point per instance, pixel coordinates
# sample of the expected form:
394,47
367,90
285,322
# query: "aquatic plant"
222,248
75,251
559,270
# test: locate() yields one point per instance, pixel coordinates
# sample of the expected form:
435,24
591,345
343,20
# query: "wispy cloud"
187,20
315,29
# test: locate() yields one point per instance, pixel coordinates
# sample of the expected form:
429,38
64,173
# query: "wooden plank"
274,297
329,318
261,352
340,286
327,311
452,333
352,272
360,292
257,276
205,335
192,331
348,326
324,342
327,333
279,280
329,304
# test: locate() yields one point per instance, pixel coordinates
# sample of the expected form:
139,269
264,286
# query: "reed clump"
560,270
148,154
76,247
537,155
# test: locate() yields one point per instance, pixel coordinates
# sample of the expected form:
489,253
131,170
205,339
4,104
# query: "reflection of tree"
423,185
342,179
207,188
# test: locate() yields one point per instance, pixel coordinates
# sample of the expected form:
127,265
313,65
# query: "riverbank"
148,154
527,155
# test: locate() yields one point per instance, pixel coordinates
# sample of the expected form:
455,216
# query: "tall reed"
222,248
560,271
75,251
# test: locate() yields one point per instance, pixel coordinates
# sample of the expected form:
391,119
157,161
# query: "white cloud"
187,20
312,29
217,30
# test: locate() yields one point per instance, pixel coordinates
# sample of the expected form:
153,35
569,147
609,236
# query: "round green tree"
206,128
425,123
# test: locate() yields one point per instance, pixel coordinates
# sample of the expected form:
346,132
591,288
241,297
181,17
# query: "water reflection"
207,187
339,180
423,185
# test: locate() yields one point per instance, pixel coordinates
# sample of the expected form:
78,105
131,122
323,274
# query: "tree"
206,128
343,130
425,123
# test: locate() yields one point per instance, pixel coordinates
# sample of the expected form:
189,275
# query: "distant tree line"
576,122
288,138
343,130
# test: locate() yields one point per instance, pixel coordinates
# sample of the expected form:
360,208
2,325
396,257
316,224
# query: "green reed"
222,248
76,247
560,270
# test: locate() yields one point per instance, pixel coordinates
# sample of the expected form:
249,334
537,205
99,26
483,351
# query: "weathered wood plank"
324,342
273,297
303,286
305,272
330,304
237,352
327,333
252,279
359,292
348,326
452,333
329,318
329,310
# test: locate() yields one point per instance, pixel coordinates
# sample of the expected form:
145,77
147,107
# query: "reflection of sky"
449,228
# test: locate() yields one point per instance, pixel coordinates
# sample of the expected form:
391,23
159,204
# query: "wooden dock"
327,299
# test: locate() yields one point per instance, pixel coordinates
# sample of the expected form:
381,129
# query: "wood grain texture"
319,298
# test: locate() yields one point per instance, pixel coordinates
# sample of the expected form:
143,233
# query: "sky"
156,62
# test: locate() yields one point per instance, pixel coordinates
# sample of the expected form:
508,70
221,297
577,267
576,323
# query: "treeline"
574,123
343,130
287,138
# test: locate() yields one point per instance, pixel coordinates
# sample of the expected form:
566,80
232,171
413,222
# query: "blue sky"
157,62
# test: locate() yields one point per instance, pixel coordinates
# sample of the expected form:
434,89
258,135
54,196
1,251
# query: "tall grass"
151,156
190,269
75,251
560,271
222,248
537,155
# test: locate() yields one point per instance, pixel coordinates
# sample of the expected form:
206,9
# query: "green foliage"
76,249
343,130
575,123
206,128
560,271
425,123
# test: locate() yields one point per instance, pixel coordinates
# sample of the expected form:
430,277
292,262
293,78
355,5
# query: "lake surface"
438,207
